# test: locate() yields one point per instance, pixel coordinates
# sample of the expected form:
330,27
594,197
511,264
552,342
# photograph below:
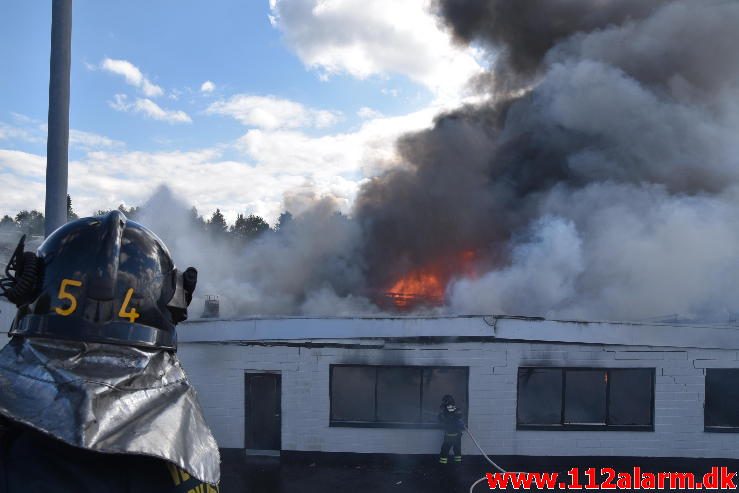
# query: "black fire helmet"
99,279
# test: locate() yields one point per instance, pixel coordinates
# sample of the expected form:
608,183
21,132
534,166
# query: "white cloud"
364,38
104,179
269,112
352,155
22,119
33,131
22,164
148,108
366,112
208,86
23,177
153,110
279,159
20,192
133,76
89,141
276,164
13,133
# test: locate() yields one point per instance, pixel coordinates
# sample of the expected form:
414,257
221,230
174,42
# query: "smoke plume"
307,267
605,187
598,180
522,33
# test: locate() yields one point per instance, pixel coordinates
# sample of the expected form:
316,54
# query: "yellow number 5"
131,314
64,295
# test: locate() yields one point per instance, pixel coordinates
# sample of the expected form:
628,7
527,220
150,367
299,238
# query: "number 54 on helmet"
99,279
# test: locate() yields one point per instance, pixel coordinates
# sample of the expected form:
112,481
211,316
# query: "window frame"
389,424
715,429
562,426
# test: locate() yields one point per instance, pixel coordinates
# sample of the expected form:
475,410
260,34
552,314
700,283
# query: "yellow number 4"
131,314
64,295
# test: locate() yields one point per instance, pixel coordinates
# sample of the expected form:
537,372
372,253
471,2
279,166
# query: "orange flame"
427,285
418,285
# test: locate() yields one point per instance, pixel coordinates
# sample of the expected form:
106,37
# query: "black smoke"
600,180
523,32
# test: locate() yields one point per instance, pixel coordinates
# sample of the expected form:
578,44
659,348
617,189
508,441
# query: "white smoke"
540,279
308,266
619,252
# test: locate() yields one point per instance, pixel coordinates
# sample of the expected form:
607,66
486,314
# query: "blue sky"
251,106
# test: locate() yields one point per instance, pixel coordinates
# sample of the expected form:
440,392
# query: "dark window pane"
585,396
722,398
399,394
353,393
630,397
539,396
440,381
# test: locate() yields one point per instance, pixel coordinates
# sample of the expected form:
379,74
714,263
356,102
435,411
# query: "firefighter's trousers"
451,441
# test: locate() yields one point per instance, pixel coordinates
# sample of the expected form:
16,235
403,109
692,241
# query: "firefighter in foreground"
451,421
92,396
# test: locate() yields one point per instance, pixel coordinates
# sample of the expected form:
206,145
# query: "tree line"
246,227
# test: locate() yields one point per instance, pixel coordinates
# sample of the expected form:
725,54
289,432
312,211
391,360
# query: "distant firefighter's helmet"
100,279
447,400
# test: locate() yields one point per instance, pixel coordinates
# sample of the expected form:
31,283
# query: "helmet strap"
21,276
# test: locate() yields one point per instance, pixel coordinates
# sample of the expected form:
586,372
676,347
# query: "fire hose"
484,478
492,463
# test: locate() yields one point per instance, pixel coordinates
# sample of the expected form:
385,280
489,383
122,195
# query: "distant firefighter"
452,422
92,396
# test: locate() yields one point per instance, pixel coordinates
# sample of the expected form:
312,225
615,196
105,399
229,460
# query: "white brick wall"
217,371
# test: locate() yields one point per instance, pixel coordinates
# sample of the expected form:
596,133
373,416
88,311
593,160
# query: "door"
263,411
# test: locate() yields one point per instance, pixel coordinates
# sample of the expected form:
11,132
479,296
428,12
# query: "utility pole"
57,144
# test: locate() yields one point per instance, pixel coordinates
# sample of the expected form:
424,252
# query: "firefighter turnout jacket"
451,422
32,462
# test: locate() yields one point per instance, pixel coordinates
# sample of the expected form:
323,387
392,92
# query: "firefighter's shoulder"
183,482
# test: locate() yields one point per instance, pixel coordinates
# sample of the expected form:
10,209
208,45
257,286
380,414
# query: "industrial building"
528,387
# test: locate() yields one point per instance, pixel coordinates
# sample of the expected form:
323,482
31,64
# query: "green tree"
217,224
196,220
30,222
71,216
284,219
7,222
249,227
130,212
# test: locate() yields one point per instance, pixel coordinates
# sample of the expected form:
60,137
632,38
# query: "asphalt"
247,474
270,476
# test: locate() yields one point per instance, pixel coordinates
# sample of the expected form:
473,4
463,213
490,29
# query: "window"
539,396
357,384
398,395
630,397
393,396
721,411
585,398
440,381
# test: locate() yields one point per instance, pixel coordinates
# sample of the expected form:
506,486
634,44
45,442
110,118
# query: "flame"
467,260
427,285
417,285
